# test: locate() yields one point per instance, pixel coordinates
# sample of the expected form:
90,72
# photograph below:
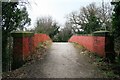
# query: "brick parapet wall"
24,44
100,45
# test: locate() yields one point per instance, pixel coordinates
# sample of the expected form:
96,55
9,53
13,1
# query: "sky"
58,9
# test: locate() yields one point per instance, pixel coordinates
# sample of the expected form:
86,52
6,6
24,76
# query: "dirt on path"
61,60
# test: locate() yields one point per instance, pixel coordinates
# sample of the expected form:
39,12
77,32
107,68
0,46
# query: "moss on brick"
22,34
101,33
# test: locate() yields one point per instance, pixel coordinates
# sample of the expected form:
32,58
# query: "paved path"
62,60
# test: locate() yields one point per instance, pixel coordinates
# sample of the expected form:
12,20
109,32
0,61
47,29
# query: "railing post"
21,47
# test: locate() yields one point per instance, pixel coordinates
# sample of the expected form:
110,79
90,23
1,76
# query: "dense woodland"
86,20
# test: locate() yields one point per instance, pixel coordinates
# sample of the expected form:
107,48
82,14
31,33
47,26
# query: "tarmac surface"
62,60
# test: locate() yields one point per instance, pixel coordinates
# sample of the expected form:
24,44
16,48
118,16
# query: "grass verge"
110,70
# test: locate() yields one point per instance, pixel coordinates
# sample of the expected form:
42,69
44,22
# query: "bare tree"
47,25
105,14
64,33
91,18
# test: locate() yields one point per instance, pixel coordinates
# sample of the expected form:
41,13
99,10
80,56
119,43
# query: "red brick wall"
24,46
40,38
30,43
92,43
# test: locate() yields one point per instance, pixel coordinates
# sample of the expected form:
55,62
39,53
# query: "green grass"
45,44
110,70
78,46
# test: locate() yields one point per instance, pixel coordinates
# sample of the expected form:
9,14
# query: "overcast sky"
58,9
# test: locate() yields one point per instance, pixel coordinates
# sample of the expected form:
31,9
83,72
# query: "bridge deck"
62,60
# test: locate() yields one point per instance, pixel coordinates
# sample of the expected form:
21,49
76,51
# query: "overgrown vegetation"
110,70
40,50
116,28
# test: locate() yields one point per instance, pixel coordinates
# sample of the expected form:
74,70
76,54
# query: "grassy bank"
110,70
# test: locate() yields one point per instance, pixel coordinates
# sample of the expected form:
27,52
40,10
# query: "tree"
90,18
105,15
64,34
47,25
116,20
116,26
12,18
